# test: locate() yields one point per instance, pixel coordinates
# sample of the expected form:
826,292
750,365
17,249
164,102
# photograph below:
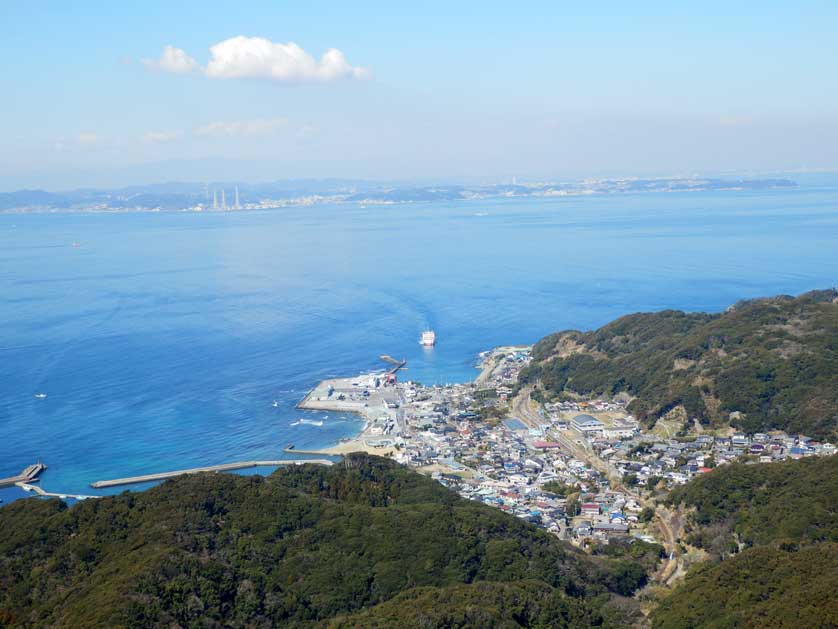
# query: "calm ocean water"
162,341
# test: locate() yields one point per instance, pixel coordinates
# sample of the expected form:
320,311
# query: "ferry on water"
428,338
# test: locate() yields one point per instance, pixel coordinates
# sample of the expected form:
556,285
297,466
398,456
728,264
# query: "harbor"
395,411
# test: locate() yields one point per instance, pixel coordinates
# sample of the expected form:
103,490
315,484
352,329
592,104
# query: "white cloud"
174,60
239,128
259,58
160,137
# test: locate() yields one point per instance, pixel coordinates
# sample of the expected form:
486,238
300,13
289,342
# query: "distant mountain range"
207,196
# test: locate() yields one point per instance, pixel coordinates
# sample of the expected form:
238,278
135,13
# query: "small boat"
290,446
275,404
310,422
41,396
428,338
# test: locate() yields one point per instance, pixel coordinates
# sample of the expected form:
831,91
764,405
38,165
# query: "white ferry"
428,338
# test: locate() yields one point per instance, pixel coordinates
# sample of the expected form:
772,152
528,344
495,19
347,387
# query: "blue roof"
587,420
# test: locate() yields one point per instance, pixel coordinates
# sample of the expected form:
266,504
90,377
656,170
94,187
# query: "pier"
28,475
224,467
397,364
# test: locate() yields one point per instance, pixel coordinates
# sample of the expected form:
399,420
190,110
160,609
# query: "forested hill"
772,534
762,364
307,546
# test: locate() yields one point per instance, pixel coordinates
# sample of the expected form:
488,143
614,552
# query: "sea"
166,341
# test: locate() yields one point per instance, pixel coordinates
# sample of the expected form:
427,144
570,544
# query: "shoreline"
319,398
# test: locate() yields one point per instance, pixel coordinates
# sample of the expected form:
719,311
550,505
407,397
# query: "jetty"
48,494
224,467
29,475
397,364
293,450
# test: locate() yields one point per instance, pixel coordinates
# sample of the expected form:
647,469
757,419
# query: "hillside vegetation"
742,505
762,364
762,587
772,530
302,547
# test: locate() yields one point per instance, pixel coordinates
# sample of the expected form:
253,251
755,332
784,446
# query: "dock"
224,467
29,475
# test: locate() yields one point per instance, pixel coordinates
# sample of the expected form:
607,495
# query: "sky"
112,93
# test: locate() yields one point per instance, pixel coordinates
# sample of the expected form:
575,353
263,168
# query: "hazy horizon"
107,95
131,180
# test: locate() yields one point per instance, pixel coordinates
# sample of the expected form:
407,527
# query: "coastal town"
584,470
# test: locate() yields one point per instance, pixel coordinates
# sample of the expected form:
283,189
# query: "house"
796,453
617,518
739,439
590,509
618,432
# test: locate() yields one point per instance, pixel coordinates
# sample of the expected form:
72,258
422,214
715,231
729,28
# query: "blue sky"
548,90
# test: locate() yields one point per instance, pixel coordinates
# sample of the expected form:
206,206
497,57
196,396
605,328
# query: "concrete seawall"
224,467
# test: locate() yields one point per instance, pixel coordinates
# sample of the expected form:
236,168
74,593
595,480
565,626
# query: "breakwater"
224,467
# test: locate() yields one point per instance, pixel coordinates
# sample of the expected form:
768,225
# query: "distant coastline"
211,197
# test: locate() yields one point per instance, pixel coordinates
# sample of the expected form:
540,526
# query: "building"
590,509
619,431
587,425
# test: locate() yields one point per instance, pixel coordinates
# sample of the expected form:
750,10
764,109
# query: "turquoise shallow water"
163,339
